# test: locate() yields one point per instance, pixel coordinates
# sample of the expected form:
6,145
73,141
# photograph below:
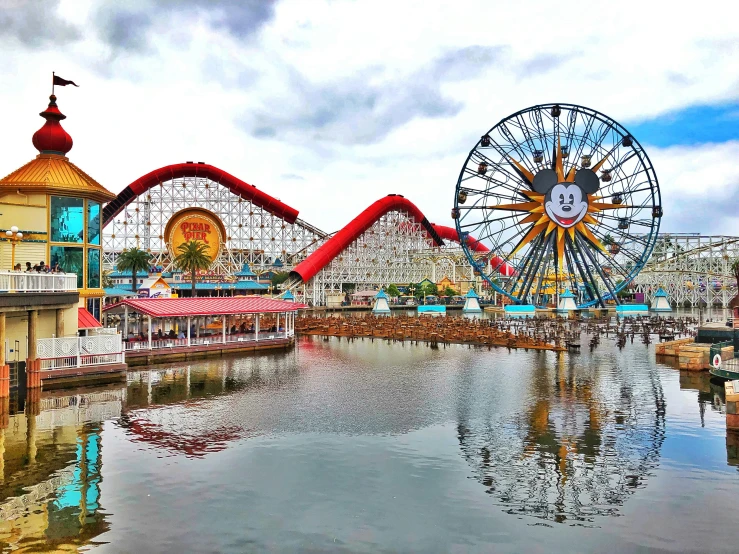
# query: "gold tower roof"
52,172
55,174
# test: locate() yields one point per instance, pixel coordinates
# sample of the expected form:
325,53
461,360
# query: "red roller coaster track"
326,252
333,247
496,262
206,171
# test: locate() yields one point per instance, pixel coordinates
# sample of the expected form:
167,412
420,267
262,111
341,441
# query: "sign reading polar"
195,224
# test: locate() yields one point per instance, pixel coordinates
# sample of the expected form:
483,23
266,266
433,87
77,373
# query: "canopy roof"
660,292
471,294
381,294
245,272
117,291
85,320
364,293
567,294
183,307
287,295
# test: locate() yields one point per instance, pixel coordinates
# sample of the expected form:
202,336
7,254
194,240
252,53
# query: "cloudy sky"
329,105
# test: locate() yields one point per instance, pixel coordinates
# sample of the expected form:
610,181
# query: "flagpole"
52,83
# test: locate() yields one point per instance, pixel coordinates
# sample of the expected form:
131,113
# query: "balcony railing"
12,281
74,352
168,344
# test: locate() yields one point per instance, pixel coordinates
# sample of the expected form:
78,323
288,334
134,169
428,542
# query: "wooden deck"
182,353
59,378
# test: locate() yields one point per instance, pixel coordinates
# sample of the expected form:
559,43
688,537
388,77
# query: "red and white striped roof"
183,307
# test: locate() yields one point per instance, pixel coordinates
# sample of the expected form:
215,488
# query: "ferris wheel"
566,197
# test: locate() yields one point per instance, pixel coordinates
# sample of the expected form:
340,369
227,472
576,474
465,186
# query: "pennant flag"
63,82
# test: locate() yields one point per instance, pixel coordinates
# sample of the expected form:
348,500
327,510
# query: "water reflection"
588,438
182,410
51,469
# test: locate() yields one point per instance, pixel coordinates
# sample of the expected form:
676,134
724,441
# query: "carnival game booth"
166,329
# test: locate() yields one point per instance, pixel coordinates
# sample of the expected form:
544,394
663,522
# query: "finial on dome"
52,138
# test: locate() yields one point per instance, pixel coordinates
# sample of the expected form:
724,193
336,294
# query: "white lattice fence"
69,352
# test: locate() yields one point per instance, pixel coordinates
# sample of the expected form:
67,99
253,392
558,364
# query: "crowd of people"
41,267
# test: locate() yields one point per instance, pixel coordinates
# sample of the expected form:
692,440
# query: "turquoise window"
93,268
67,219
93,222
71,260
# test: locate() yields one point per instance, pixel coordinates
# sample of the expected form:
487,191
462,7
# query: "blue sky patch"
692,125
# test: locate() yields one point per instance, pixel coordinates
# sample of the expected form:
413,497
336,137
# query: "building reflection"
178,409
711,394
51,444
51,469
586,439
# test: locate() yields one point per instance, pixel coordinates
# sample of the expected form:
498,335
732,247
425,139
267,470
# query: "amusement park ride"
555,197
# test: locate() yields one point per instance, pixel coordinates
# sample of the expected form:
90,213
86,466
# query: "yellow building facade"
58,209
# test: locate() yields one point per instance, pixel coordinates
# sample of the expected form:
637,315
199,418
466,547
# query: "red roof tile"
85,320
183,307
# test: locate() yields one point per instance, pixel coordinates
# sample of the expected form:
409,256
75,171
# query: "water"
375,447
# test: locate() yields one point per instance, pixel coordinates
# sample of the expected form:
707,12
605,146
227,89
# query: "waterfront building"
155,287
50,218
168,329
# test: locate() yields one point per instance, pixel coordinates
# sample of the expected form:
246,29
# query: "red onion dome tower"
52,138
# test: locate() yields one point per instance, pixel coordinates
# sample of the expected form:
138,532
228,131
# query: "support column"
277,325
4,368
188,330
33,366
223,326
125,321
32,328
149,330
256,327
59,322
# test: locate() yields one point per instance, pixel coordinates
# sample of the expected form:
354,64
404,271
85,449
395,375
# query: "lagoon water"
373,447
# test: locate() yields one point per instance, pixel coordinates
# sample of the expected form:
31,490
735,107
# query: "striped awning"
85,320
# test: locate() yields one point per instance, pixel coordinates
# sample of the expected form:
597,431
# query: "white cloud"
190,92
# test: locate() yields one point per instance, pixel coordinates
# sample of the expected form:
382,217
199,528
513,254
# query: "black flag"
63,82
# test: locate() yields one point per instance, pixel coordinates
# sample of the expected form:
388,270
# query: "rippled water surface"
375,447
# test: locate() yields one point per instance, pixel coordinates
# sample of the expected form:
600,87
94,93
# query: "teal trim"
432,309
631,308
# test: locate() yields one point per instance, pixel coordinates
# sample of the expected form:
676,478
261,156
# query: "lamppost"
218,290
14,236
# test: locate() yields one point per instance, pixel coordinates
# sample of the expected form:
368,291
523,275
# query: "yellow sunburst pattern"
540,221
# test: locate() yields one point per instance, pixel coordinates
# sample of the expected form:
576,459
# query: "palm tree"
192,255
133,260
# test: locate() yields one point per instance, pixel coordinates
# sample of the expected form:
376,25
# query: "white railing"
164,344
74,352
11,281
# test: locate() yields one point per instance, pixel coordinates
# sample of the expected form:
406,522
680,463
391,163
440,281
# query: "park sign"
195,224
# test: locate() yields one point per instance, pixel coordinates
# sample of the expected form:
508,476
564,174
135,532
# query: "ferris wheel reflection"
587,441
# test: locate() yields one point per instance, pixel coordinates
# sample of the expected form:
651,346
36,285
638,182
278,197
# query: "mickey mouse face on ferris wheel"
566,203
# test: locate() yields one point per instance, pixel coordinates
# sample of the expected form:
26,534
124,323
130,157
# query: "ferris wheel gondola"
566,196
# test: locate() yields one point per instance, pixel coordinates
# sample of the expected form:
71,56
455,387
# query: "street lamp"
14,236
